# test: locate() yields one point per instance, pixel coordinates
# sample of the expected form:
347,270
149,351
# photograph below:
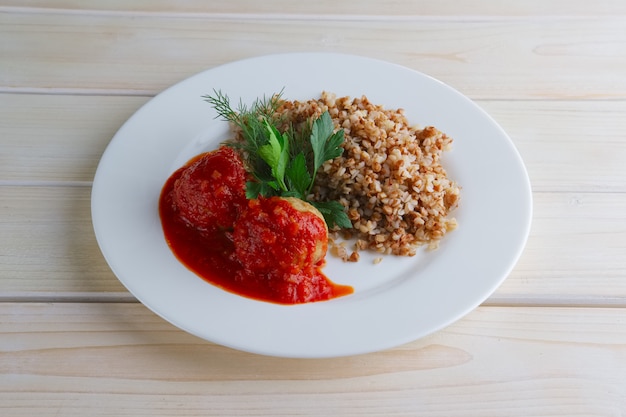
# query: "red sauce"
264,249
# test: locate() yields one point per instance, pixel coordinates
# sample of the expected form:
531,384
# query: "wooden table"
550,341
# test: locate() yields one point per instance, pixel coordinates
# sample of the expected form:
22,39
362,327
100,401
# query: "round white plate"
395,301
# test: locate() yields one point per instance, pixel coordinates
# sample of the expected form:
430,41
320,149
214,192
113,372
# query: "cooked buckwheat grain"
389,178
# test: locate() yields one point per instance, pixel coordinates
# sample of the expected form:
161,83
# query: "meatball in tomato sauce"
210,191
281,243
284,234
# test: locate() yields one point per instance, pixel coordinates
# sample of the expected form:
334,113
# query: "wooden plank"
58,138
572,146
47,243
524,58
574,254
496,361
364,8
61,138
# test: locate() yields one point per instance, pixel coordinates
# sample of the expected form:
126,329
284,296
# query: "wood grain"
119,54
57,138
575,253
568,146
495,361
399,8
48,244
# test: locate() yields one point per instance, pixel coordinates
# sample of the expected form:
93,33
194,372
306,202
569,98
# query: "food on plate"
270,249
254,216
389,177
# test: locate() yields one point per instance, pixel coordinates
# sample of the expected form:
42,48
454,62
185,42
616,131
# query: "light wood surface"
551,341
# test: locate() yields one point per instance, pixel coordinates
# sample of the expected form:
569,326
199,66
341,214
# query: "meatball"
210,192
280,234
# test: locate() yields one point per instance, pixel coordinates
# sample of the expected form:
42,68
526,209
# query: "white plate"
396,301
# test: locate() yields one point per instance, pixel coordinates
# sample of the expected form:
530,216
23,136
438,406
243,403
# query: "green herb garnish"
284,163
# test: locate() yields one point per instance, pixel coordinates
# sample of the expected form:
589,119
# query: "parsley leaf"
324,143
254,189
334,213
298,177
276,153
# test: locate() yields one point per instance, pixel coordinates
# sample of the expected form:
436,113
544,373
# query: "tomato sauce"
264,249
